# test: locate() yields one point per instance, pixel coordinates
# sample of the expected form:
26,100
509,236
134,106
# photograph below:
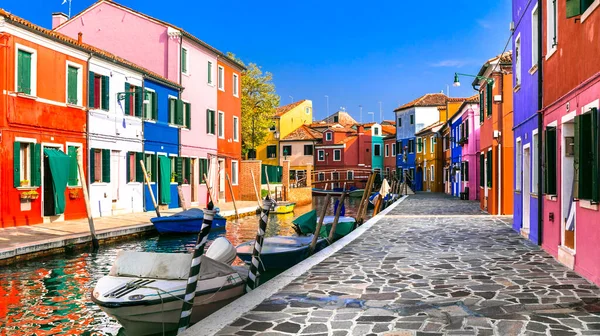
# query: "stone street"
434,265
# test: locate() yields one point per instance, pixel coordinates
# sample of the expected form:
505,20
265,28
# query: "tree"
259,102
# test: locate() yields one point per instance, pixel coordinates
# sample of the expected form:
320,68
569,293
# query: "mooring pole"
253,272
190,290
337,218
149,187
237,215
88,208
315,238
255,189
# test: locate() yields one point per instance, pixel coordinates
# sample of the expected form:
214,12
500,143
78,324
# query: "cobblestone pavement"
433,266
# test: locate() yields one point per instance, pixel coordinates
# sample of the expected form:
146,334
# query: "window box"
75,193
30,195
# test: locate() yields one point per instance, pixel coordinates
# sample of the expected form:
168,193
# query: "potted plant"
33,194
24,183
25,195
173,177
74,193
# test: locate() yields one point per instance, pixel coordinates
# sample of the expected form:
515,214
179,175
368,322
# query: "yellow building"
287,119
429,159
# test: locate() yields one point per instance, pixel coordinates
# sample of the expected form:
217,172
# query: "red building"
229,146
343,151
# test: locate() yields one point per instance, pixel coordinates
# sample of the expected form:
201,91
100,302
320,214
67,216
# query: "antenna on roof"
65,1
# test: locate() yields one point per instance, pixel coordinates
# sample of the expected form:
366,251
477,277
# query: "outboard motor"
222,250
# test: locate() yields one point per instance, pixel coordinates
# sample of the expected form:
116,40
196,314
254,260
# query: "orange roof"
389,122
388,129
303,133
285,109
430,128
81,46
430,99
185,33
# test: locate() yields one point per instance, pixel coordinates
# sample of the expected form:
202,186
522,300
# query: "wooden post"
149,188
269,185
181,198
362,200
365,200
210,195
88,208
337,218
255,190
377,204
232,196
315,237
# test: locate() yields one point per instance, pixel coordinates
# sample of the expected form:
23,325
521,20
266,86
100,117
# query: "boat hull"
283,208
356,193
181,224
322,192
280,252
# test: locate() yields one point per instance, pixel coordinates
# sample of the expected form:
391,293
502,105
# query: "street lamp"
457,81
373,114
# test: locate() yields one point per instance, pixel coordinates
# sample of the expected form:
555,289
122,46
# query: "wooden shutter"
490,169
466,173
179,170
481,170
72,85
154,106
127,100
24,72
73,173
105,93
188,170
139,99
92,169
481,105
209,73
179,112
17,164
594,155
208,121
573,8
183,60
467,129
488,96
91,89
128,167
550,159
188,115
154,168
36,165
106,165
139,174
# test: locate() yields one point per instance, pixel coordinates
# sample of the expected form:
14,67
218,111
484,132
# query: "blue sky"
355,52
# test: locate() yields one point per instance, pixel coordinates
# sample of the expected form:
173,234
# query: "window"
550,160
221,78
465,173
534,36
234,172
412,119
26,71
99,93
272,151
518,60
184,60
577,7
488,98
387,172
481,106
236,129
221,124
150,162
431,173
179,112
308,149
350,175
387,150
210,76
399,122
307,110
134,170
519,165
321,176
432,144
481,170
551,37
336,119
377,150
133,99
287,150
375,130
236,88
321,155
27,159
151,108
74,159
328,136
489,168
535,161
586,155
419,145
210,122
425,173
337,155
393,149
411,146
74,85
100,165
203,169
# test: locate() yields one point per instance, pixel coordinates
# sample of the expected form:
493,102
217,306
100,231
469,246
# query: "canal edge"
233,311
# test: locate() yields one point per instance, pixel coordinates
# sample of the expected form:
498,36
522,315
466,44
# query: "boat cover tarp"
165,179
307,222
60,164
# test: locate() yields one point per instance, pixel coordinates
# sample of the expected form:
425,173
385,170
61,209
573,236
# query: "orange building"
496,135
229,143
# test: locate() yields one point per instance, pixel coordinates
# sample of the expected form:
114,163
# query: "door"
194,182
114,175
568,205
526,188
221,180
457,183
419,179
485,182
48,189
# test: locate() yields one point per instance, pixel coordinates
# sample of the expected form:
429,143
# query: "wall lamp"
457,81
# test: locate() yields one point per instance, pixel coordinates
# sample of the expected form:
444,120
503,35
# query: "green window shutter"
139,99
481,109
92,170
72,85
179,170
73,176
489,168
209,73
481,170
179,112
91,89
128,166
550,161
24,72
106,165
188,170
105,93
183,60
488,95
466,173
139,174
154,106
36,165
17,164
127,100
188,115
594,155
153,169
586,155
573,8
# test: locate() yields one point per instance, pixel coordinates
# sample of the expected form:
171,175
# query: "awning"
59,163
164,183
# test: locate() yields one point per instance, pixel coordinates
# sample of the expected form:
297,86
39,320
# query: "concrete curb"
228,314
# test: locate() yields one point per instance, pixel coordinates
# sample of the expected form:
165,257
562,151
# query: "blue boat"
188,221
280,252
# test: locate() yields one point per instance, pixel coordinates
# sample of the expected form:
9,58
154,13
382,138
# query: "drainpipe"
87,124
143,142
540,169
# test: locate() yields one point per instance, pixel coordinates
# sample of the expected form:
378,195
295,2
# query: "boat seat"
167,266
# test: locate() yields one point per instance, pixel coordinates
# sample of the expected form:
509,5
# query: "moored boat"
357,193
282,207
324,192
188,221
280,252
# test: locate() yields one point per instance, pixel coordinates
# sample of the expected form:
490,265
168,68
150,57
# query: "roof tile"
286,108
430,99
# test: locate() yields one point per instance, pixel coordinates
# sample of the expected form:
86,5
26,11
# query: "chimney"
79,37
58,19
360,129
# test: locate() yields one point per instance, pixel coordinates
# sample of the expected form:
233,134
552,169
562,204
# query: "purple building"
469,141
526,136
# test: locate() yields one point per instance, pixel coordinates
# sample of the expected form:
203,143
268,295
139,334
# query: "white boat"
144,291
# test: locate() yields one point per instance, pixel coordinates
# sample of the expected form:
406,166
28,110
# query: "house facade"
455,123
429,159
411,118
469,141
299,148
377,148
571,96
496,139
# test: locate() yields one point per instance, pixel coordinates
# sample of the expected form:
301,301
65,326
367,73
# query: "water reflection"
50,296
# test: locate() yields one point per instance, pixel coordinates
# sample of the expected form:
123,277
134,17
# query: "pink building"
469,140
175,54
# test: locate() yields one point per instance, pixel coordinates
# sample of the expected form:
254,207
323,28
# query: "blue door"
419,180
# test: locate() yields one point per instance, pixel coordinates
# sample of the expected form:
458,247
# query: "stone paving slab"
434,265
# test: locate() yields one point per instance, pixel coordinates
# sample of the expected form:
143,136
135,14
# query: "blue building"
411,118
162,108
456,153
525,120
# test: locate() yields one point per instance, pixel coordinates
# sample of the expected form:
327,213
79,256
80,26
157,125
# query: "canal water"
51,295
